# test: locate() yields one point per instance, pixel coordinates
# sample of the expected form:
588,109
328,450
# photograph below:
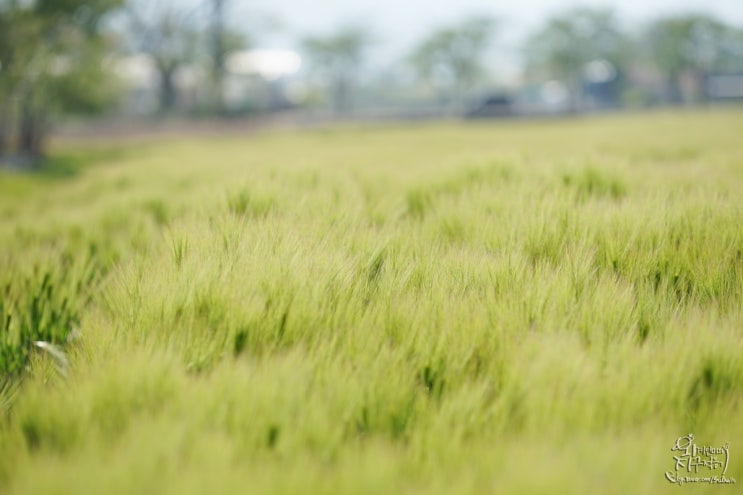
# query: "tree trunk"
218,55
4,132
341,97
167,89
575,94
31,135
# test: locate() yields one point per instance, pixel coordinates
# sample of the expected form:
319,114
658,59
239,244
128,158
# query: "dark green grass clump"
41,307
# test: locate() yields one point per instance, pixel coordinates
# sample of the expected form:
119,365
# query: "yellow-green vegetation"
514,307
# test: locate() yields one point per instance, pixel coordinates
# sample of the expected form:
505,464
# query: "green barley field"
507,307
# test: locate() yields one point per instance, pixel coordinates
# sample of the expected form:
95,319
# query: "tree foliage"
175,36
567,42
168,35
337,58
451,58
695,44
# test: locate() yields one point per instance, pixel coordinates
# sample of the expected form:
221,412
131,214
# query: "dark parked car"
494,106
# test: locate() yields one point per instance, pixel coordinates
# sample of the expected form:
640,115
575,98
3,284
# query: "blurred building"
262,80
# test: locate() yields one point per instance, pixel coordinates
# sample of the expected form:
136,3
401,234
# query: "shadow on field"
67,163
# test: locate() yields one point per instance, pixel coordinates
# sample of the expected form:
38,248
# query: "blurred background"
102,66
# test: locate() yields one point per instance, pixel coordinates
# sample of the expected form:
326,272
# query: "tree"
337,58
218,52
175,37
693,44
51,61
168,34
569,41
225,40
451,58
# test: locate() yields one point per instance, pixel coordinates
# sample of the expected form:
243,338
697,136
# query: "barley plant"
516,307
